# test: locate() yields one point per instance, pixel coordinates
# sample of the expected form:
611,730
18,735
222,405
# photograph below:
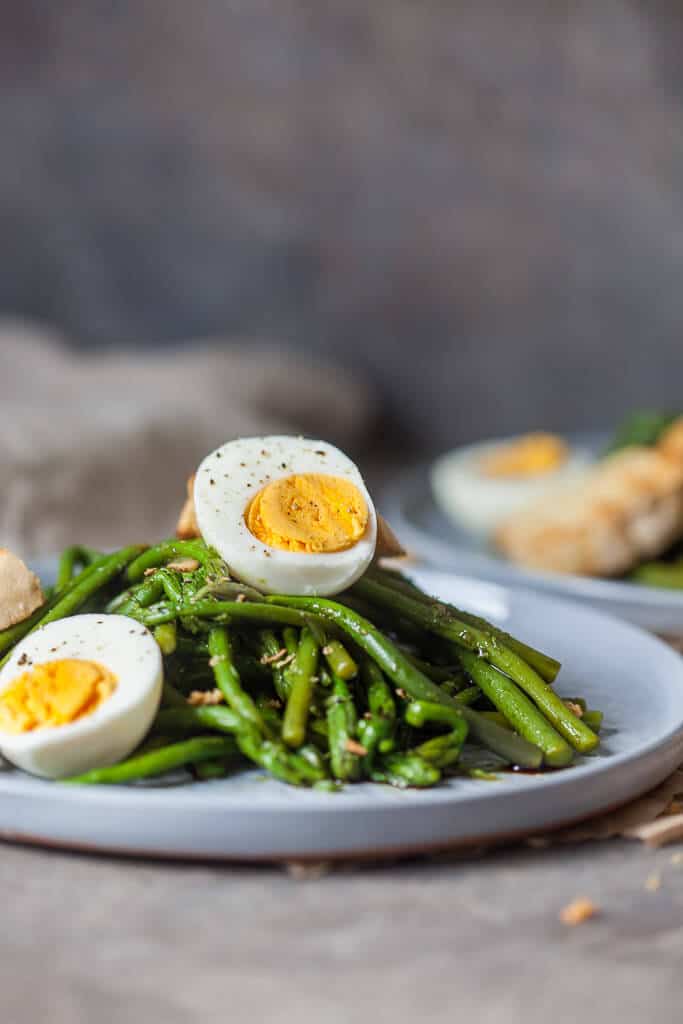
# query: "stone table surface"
98,940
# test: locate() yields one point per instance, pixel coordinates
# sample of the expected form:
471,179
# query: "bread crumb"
578,911
575,709
354,747
677,859
205,698
184,565
653,882
269,659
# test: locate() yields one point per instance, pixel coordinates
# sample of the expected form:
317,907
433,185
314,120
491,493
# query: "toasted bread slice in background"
628,508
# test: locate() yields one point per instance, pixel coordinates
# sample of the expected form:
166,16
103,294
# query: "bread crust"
627,509
20,591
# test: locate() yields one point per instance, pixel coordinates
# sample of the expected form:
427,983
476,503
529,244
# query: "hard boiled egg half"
479,486
79,693
288,515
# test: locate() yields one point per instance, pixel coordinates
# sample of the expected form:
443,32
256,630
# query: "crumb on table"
578,911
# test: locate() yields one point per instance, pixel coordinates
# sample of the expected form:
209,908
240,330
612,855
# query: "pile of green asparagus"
383,683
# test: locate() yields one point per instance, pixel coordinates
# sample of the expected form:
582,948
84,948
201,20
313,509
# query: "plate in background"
425,531
633,677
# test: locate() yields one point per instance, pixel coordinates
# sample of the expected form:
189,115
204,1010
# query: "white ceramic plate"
634,678
426,532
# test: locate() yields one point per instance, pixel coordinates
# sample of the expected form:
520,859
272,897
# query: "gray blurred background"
476,207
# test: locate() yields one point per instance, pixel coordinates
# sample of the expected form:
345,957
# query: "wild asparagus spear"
441,751
442,622
339,660
520,712
303,673
406,677
342,722
158,762
376,730
228,680
406,769
546,666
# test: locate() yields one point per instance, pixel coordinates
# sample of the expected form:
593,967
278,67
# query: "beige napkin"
96,449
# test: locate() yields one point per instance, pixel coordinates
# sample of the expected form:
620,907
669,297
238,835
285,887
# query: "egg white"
117,726
479,503
231,476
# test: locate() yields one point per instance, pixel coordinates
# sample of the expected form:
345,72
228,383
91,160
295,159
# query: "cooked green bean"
437,673
342,722
659,574
77,555
187,719
442,751
407,678
546,666
271,648
470,695
166,635
443,623
290,637
284,764
158,762
380,683
221,611
304,668
214,769
228,680
171,697
340,661
406,769
520,712
166,551
593,719
376,729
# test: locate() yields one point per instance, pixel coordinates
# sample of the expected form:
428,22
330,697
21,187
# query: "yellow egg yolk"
531,455
54,693
309,512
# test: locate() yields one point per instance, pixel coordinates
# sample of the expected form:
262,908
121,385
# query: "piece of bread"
20,590
187,526
627,509
388,545
671,441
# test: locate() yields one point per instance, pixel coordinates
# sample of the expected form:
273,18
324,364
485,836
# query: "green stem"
546,666
303,672
342,722
406,677
70,558
228,680
340,661
521,713
166,551
442,623
158,762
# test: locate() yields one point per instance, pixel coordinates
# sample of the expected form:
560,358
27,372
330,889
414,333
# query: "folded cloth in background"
96,449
